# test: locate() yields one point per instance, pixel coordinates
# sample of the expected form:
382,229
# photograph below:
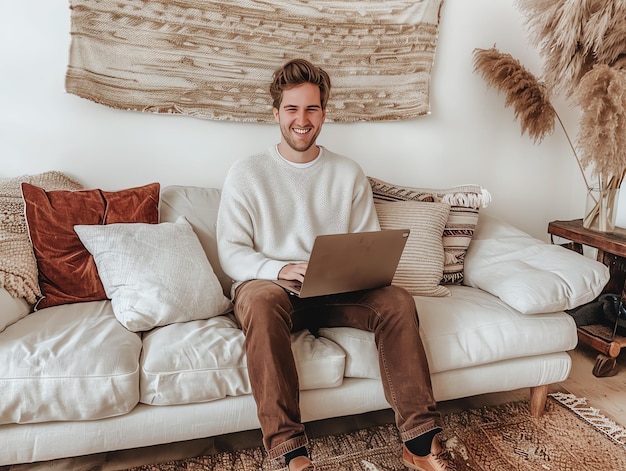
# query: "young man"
273,206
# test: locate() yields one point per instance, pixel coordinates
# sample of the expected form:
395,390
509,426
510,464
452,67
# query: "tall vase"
601,209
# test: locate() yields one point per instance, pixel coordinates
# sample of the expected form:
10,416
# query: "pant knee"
400,305
263,303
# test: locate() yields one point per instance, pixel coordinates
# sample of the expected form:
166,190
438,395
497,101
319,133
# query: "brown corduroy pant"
268,315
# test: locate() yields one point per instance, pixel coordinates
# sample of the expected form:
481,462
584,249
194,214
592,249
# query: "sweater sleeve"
236,249
363,217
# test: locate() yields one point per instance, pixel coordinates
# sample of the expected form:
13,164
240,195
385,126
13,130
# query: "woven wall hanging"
215,59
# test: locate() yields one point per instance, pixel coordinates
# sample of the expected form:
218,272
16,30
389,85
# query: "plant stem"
571,144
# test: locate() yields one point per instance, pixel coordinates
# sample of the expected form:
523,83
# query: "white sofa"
74,381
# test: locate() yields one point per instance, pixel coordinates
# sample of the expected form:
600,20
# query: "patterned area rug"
571,436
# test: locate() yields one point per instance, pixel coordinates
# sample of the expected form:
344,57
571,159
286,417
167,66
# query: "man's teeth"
300,131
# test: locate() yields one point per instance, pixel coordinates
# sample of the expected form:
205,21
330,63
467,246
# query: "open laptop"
340,263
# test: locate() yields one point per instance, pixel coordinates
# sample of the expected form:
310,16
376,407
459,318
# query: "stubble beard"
297,145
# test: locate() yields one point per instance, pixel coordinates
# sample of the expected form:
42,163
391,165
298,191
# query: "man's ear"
275,111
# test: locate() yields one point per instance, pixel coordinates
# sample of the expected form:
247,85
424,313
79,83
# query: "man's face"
300,116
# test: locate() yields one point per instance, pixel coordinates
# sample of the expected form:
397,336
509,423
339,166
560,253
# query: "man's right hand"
293,271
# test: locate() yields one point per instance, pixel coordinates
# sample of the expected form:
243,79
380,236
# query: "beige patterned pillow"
18,267
464,202
421,265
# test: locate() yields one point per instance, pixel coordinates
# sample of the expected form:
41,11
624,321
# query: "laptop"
341,263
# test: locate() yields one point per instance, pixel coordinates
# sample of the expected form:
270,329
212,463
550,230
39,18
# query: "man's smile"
301,130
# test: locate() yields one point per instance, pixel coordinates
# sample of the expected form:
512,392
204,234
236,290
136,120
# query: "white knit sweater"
271,211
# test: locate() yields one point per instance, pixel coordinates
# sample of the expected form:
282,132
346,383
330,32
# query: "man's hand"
293,271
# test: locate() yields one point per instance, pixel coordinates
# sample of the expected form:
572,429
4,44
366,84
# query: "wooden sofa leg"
538,398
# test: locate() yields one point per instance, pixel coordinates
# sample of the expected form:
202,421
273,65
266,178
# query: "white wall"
469,137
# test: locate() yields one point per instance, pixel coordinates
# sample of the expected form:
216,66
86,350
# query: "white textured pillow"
528,274
154,274
421,266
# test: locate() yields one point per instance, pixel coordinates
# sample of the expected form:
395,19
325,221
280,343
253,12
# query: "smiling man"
273,206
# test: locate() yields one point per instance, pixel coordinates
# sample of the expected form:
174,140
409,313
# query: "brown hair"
296,72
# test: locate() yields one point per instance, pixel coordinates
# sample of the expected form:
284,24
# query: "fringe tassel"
468,200
593,416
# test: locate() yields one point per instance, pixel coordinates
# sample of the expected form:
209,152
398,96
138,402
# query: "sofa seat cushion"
468,328
204,360
71,362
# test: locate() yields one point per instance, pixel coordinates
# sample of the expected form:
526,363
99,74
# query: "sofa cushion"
528,274
18,267
204,360
421,265
72,362
12,309
154,274
464,201
67,273
468,328
199,206
360,350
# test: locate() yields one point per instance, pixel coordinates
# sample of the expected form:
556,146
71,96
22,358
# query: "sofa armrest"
11,309
528,274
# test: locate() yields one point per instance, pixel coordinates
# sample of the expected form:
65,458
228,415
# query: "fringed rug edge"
593,416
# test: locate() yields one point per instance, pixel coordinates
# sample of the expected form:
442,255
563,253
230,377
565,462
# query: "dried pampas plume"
602,137
574,35
528,97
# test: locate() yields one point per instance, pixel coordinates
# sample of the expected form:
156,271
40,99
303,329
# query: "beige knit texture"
18,266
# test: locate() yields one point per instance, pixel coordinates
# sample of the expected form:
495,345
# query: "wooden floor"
607,394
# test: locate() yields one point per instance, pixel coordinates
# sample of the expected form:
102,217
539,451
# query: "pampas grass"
583,46
574,35
527,95
602,136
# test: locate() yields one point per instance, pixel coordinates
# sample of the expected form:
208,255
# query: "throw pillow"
464,202
67,273
18,267
154,274
421,265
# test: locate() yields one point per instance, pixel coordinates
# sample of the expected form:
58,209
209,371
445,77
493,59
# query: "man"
273,206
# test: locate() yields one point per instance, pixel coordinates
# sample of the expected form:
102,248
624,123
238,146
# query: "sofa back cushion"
12,309
199,206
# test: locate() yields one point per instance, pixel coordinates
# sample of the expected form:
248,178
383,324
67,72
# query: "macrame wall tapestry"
215,59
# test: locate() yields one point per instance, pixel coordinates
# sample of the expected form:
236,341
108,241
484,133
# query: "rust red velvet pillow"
67,272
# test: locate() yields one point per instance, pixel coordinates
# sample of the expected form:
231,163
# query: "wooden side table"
612,252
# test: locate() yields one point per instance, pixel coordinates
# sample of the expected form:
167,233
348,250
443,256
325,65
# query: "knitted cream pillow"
421,265
18,267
